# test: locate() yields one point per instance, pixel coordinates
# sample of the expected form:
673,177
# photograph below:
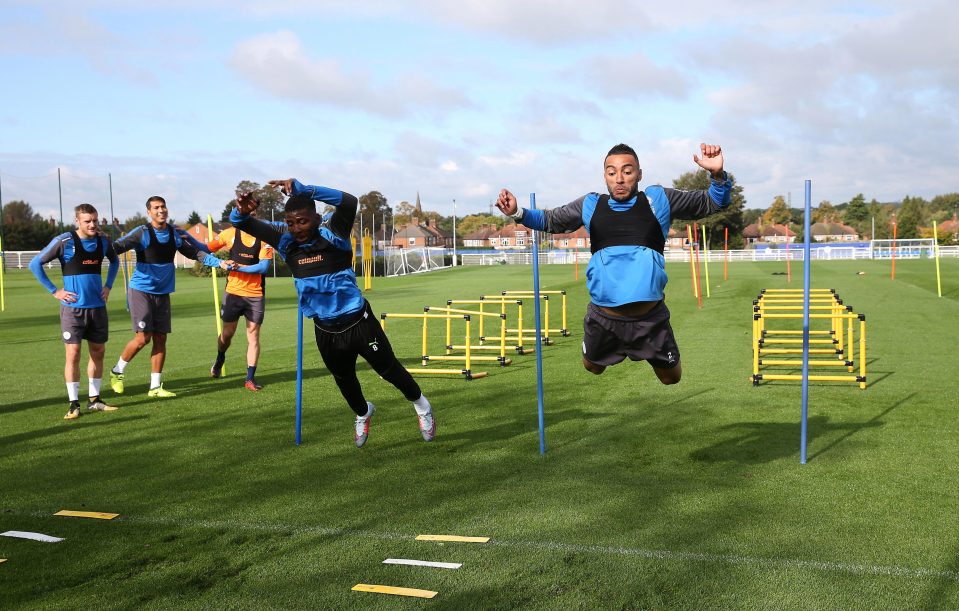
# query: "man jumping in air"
626,276
319,254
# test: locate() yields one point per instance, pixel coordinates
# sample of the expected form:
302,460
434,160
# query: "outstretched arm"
341,223
564,219
692,205
246,203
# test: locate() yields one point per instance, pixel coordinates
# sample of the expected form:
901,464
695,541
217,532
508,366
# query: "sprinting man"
626,276
318,252
155,243
245,296
83,302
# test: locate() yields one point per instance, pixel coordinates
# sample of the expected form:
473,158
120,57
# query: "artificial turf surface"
649,496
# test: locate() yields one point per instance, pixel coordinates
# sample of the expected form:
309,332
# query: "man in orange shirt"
250,259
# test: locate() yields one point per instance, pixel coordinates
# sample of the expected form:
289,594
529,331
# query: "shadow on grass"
762,442
67,427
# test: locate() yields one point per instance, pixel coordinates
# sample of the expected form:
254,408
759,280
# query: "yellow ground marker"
366,587
97,515
454,538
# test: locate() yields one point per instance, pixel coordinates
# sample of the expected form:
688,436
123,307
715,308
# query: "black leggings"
339,346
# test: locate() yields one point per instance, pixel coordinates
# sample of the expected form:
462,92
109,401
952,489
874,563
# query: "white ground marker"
435,565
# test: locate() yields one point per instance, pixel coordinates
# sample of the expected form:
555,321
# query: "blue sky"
456,100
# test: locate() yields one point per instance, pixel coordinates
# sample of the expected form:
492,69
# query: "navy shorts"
234,306
608,339
78,324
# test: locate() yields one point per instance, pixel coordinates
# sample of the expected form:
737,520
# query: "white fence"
822,253
406,261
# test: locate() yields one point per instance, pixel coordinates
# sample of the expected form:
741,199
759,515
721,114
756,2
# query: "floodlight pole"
454,232
60,191
805,327
539,335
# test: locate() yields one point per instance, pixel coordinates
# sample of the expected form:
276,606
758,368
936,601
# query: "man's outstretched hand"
506,202
712,158
285,185
246,203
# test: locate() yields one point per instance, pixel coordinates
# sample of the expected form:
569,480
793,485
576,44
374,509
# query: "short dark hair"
155,198
85,209
300,201
623,149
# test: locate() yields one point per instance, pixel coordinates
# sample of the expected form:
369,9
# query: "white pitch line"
826,566
427,563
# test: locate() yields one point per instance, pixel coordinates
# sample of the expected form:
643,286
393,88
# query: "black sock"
220,357
93,400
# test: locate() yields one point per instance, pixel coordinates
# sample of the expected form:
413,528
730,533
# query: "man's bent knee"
669,376
593,367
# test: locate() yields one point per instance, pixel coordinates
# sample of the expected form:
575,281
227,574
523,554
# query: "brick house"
576,239
420,235
479,238
832,232
768,234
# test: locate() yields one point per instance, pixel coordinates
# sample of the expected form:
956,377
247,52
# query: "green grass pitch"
649,496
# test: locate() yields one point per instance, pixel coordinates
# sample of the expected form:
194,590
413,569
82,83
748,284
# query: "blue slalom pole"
805,325
299,374
539,334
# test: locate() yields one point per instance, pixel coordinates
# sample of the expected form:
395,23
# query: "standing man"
245,296
318,252
83,307
626,276
154,278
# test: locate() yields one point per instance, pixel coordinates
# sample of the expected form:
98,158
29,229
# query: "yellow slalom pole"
692,264
706,260
3,297
216,290
935,249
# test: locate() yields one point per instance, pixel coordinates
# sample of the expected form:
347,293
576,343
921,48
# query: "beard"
633,192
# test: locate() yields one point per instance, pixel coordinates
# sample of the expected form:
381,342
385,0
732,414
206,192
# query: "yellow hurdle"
466,372
517,341
503,361
564,331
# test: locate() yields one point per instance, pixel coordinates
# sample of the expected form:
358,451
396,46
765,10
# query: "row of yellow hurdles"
503,338
838,341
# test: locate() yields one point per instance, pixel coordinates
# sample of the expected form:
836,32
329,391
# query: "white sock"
121,365
94,387
422,405
73,391
155,379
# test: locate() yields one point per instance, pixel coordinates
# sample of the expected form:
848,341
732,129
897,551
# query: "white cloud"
279,64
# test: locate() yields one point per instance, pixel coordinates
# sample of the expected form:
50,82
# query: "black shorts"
78,324
149,312
234,306
359,335
608,340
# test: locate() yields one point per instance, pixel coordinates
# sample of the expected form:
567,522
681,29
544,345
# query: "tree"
856,214
403,213
193,219
374,210
134,221
271,200
912,213
778,212
731,217
825,213
473,222
24,229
